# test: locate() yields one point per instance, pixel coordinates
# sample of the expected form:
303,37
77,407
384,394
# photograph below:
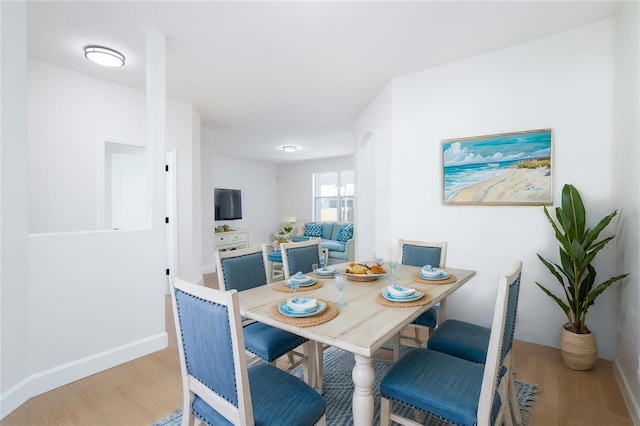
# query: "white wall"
295,188
207,159
626,175
373,177
14,212
258,184
69,113
183,134
66,129
101,293
562,82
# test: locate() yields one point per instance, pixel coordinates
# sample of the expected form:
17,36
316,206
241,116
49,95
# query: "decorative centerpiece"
576,275
284,235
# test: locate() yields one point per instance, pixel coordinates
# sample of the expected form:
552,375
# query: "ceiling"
266,74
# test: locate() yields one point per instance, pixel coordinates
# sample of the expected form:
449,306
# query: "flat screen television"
227,204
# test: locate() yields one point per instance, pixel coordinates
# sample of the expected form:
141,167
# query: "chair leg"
319,365
513,397
396,346
504,414
385,412
416,336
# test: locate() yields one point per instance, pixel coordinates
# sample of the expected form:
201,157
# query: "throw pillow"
345,234
313,229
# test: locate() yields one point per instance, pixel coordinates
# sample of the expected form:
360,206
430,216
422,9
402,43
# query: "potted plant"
578,246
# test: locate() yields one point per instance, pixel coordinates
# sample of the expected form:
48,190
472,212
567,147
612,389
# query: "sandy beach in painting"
514,185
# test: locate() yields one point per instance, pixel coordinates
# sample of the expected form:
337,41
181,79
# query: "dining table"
361,327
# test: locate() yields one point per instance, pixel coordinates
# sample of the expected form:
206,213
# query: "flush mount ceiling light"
289,148
104,56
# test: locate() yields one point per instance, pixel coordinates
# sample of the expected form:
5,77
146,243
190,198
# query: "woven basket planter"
579,351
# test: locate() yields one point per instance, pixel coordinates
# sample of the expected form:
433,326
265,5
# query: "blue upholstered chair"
275,263
300,256
451,388
218,387
471,342
421,253
245,269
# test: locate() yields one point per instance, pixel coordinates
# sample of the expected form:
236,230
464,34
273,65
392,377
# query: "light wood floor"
144,390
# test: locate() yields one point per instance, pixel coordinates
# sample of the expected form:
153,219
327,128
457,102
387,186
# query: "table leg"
363,378
309,365
442,315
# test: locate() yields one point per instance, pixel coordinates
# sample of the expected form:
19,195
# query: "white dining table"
361,327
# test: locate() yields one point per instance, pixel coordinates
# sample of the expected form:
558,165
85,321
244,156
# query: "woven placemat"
281,286
452,279
420,302
330,313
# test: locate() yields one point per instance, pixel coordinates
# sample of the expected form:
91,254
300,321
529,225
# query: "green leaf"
573,209
553,268
559,301
559,235
592,235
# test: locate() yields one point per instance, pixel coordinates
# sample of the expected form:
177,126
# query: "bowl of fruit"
364,272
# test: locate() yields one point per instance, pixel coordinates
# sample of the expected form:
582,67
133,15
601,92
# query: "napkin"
428,268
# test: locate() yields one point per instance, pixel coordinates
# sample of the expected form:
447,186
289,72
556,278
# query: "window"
333,196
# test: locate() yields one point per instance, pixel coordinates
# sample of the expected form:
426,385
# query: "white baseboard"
627,394
52,378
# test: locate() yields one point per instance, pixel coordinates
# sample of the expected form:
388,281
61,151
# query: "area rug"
338,389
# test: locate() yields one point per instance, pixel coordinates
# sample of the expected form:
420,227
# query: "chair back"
211,351
421,253
241,269
501,338
300,256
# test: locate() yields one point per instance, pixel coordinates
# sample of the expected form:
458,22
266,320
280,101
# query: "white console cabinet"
231,240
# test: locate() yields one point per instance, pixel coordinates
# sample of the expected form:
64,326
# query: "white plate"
327,272
400,291
285,310
415,296
442,276
302,304
311,281
434,273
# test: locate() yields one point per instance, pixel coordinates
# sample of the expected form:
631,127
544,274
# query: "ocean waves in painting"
457,178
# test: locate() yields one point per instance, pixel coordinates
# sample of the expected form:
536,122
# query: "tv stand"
230,240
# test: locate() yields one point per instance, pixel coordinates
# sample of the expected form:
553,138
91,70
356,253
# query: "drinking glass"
294,285
323,261
341,282
393,262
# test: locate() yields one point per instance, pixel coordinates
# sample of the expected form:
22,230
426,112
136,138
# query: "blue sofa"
339,251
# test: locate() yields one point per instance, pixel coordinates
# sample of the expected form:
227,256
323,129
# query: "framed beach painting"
506,168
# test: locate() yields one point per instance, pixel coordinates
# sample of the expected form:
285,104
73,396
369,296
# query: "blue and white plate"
327,272
302,304
310,281
415,296
285,310
442,276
